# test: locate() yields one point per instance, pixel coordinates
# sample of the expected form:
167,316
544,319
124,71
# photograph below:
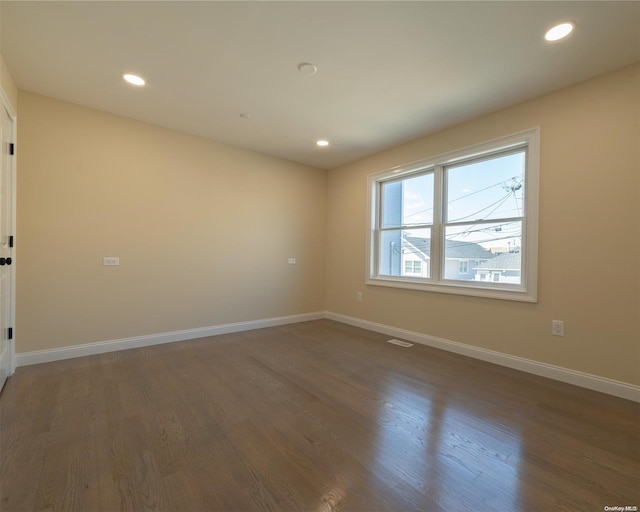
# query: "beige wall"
589,254
203,230
7,84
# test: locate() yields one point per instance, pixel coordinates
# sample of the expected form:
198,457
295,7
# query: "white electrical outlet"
292,261
110,261
359,296
557,327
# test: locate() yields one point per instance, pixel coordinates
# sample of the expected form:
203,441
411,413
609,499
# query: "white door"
6,247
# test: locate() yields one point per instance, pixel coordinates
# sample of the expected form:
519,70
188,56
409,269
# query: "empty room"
320,255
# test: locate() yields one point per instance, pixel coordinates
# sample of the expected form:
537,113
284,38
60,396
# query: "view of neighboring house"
504,268
461,258
404,252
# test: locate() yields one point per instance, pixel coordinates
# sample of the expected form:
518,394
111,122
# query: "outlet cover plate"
557,327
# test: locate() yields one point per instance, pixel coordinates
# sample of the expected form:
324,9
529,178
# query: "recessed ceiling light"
306,68
559,31
133,79
322,143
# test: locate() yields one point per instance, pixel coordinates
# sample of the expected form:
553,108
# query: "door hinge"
10,241
10,333
12,148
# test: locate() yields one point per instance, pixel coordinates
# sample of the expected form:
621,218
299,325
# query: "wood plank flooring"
315,416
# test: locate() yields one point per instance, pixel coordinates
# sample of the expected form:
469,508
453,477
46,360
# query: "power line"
498,228
499,202
503,183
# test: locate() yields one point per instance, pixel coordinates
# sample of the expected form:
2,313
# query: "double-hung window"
464,222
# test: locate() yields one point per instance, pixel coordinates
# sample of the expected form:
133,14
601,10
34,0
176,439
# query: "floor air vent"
401,343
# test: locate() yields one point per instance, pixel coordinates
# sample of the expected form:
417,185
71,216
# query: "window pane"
489,189
405,252
408,202
391,204
494,249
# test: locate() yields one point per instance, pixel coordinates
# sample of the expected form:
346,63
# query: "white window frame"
526,291
463,267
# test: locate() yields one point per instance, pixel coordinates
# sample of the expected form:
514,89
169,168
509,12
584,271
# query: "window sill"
512,293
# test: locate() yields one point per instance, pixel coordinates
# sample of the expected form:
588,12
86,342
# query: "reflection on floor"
311,416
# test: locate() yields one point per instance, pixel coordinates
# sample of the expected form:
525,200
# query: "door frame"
5,103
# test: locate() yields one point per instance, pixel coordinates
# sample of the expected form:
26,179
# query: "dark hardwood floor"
315,416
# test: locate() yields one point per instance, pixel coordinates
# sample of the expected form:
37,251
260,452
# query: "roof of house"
454,249
504,261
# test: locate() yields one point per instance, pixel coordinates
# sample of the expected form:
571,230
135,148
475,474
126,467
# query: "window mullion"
437,230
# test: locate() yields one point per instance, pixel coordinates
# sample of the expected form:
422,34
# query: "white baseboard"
585,380
101,347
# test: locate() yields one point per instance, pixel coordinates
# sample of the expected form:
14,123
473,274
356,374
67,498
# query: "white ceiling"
388,72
